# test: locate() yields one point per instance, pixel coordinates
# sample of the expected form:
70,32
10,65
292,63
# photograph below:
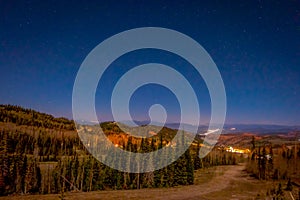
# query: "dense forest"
43,154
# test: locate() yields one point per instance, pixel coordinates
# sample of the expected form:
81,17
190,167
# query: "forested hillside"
29,117
279,163
43,154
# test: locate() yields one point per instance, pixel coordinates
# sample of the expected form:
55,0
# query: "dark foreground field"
222,182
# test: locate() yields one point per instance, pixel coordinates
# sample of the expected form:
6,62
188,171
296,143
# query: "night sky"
255,45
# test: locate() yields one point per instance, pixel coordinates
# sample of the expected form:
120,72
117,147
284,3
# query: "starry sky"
255,45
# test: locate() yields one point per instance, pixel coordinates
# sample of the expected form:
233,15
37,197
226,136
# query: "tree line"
50,158
280,164
63,167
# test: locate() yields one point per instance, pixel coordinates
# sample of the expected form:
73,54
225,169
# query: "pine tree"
289,186
3,162
75,172
253,144
189,168
23,174
270,163
38,178
197,160
98,176
263,163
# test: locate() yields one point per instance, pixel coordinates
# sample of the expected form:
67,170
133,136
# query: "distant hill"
230,128
242,128
23,116
259,128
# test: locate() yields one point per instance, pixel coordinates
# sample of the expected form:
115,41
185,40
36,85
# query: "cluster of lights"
231,149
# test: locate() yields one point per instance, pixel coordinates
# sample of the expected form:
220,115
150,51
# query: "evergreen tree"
189,168
197,161
4,168
289,186
23,174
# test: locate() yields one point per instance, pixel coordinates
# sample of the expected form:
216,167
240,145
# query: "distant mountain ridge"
20,115
228,128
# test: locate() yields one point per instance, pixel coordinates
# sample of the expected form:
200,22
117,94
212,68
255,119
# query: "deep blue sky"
255,44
